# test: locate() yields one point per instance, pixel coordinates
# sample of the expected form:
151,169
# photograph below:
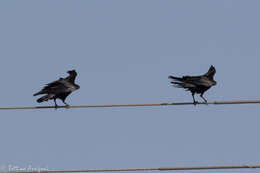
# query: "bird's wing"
200,81
54,83
50,87
183,84
58,86
69,86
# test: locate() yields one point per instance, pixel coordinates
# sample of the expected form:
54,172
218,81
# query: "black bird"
196,84
59,89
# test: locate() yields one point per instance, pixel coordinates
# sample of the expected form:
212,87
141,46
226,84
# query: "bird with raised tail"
196,84
59,89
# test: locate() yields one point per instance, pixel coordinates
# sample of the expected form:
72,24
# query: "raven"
196,84
59,89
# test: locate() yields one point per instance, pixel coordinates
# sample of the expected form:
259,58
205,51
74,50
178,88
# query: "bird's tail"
38,93
175,78
177,82
45,98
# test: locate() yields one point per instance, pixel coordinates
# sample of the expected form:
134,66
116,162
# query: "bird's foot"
66,105
195,103
56,107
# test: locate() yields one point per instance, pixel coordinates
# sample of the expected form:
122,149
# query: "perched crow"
196,84
59,89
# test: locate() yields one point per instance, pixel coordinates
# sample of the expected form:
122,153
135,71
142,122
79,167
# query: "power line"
139,169
135,105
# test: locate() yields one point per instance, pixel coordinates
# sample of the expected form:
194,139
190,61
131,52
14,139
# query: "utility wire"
135,105
140,169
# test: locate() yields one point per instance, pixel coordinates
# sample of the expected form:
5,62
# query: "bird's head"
211,72
72,72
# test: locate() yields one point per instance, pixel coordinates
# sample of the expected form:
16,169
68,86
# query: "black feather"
196,84
59,89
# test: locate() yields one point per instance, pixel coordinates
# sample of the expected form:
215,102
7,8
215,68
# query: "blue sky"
123,51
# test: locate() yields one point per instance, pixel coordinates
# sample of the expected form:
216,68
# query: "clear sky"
123,51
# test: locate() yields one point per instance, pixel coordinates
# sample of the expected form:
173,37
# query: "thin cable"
140,169
136,105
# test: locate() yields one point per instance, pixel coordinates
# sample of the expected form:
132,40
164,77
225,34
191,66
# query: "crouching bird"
59,89
196,84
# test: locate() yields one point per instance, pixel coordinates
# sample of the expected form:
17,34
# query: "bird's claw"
195,103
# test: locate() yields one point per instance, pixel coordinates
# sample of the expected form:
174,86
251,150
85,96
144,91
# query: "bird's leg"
56,106
194,101
201,95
